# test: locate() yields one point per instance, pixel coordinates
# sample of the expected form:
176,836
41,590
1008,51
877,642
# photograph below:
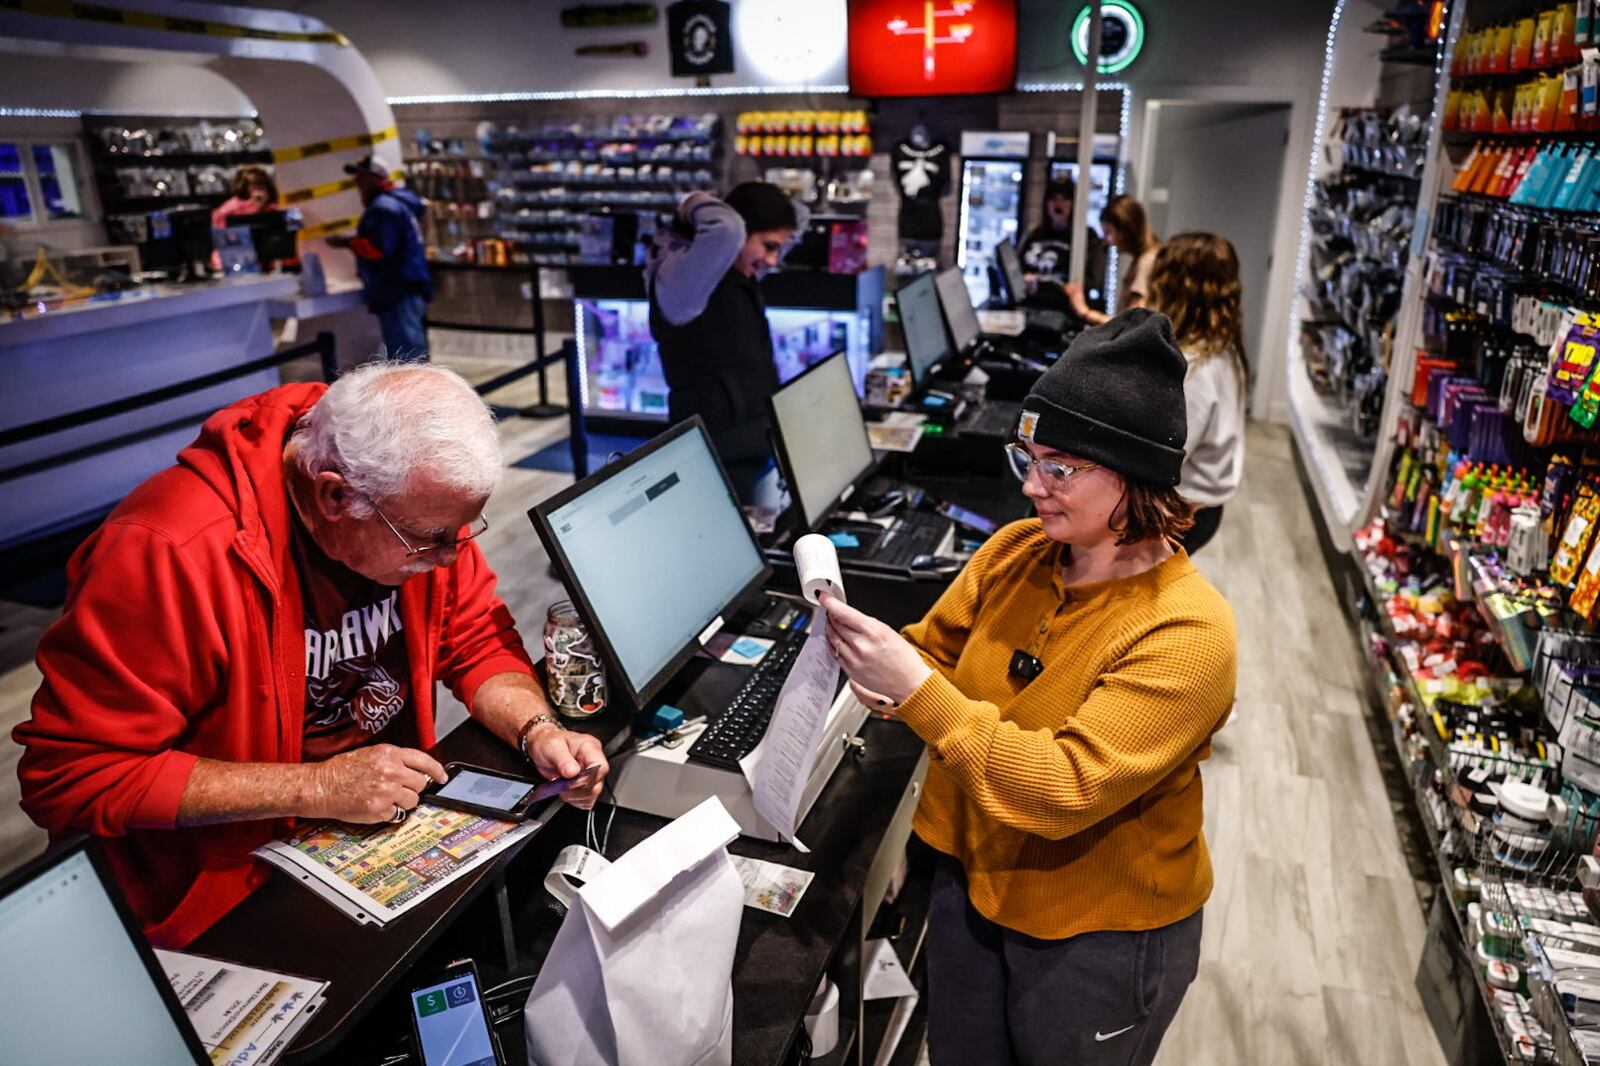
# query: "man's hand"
339,240
558,753
366,785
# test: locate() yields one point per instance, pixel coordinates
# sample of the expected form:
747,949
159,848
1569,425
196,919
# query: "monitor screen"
1011,272
75,986
655,548
927,343
958,312
913,48
822,439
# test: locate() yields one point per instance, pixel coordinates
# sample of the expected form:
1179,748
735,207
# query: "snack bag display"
1578,536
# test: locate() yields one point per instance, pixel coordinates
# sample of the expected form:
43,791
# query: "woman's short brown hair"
1148,512
248,176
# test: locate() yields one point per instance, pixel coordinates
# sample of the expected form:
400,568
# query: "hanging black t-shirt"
923,177
358,676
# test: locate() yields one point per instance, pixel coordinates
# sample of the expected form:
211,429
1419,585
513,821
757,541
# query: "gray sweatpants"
997,997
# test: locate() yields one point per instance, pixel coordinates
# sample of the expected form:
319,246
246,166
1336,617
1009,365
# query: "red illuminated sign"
932,47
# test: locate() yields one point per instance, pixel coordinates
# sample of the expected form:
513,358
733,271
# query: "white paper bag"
641,970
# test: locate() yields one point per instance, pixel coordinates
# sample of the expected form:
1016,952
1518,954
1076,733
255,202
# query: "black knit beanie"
1115,397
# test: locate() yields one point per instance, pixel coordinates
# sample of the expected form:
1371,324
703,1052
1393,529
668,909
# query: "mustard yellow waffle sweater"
1073,801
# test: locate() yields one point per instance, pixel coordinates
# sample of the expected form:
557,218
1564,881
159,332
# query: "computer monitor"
654,549
822,439
78,981
1011,273
270,231
927,343
956,302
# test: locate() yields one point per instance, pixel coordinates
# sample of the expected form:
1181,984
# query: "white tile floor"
1314,930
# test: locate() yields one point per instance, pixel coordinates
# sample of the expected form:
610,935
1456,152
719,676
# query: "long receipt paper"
781,764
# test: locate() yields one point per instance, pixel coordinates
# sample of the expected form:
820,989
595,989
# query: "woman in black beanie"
1067,684
709,319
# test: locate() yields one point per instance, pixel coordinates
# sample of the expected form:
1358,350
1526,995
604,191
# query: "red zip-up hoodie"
183,638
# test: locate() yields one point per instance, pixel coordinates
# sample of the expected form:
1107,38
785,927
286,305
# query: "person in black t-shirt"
1047,249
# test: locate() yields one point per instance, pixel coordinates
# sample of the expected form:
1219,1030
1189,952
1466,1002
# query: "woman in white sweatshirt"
1195,282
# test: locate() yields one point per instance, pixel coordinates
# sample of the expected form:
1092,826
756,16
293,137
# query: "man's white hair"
383,423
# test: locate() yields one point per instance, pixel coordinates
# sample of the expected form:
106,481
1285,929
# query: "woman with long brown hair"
1195,282
1127,229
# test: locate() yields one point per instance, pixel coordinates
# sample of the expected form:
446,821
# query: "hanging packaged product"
1589,103
1574,546
1587,407
1588,587
1576,359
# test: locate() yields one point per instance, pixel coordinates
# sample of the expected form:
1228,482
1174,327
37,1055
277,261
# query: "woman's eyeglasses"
1052,474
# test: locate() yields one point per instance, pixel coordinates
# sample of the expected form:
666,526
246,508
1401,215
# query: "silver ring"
400,814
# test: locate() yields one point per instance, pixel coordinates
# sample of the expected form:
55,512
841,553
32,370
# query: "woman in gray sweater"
1195,282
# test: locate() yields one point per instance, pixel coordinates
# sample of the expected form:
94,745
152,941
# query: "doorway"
1218,167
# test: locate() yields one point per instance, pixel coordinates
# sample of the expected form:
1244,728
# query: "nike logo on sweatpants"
1099,1036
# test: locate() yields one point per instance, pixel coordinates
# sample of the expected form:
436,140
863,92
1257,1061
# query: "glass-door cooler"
992,170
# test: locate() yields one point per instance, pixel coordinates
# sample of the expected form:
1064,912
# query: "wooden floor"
1314,930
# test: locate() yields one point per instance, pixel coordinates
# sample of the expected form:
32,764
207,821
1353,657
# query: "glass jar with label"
574,676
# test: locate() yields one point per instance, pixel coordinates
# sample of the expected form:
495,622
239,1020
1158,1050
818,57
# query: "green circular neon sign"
1121,36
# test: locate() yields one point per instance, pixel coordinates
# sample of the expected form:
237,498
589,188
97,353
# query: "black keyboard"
736,731
994,419
914,533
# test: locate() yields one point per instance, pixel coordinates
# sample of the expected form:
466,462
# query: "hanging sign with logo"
698,34
1121,36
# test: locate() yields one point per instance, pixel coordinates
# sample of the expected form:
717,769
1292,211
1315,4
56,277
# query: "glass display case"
991,214
811,315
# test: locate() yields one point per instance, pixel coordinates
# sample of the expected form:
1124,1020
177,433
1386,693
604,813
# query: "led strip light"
1304,253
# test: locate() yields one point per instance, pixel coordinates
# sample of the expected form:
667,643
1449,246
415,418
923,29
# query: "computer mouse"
935,564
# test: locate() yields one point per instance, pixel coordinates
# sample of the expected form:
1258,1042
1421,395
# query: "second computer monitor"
655,549
927,343
822,439
78,981
958,311
1016,285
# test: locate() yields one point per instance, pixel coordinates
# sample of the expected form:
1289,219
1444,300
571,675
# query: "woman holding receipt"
1067,683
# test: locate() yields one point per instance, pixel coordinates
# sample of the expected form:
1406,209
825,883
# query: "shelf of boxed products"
1522,74
548,179
804,134
616,139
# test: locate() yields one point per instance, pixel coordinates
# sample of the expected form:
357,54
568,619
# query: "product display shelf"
614,178
1446,824
146,166
1343,380
1506,888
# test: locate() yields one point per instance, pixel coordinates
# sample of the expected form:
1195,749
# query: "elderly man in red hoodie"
255,633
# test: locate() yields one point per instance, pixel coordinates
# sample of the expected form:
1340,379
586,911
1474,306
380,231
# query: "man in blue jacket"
391,258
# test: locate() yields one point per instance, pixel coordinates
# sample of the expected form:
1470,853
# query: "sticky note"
845,540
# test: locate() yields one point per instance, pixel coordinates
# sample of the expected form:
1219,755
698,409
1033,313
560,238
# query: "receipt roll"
818,564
